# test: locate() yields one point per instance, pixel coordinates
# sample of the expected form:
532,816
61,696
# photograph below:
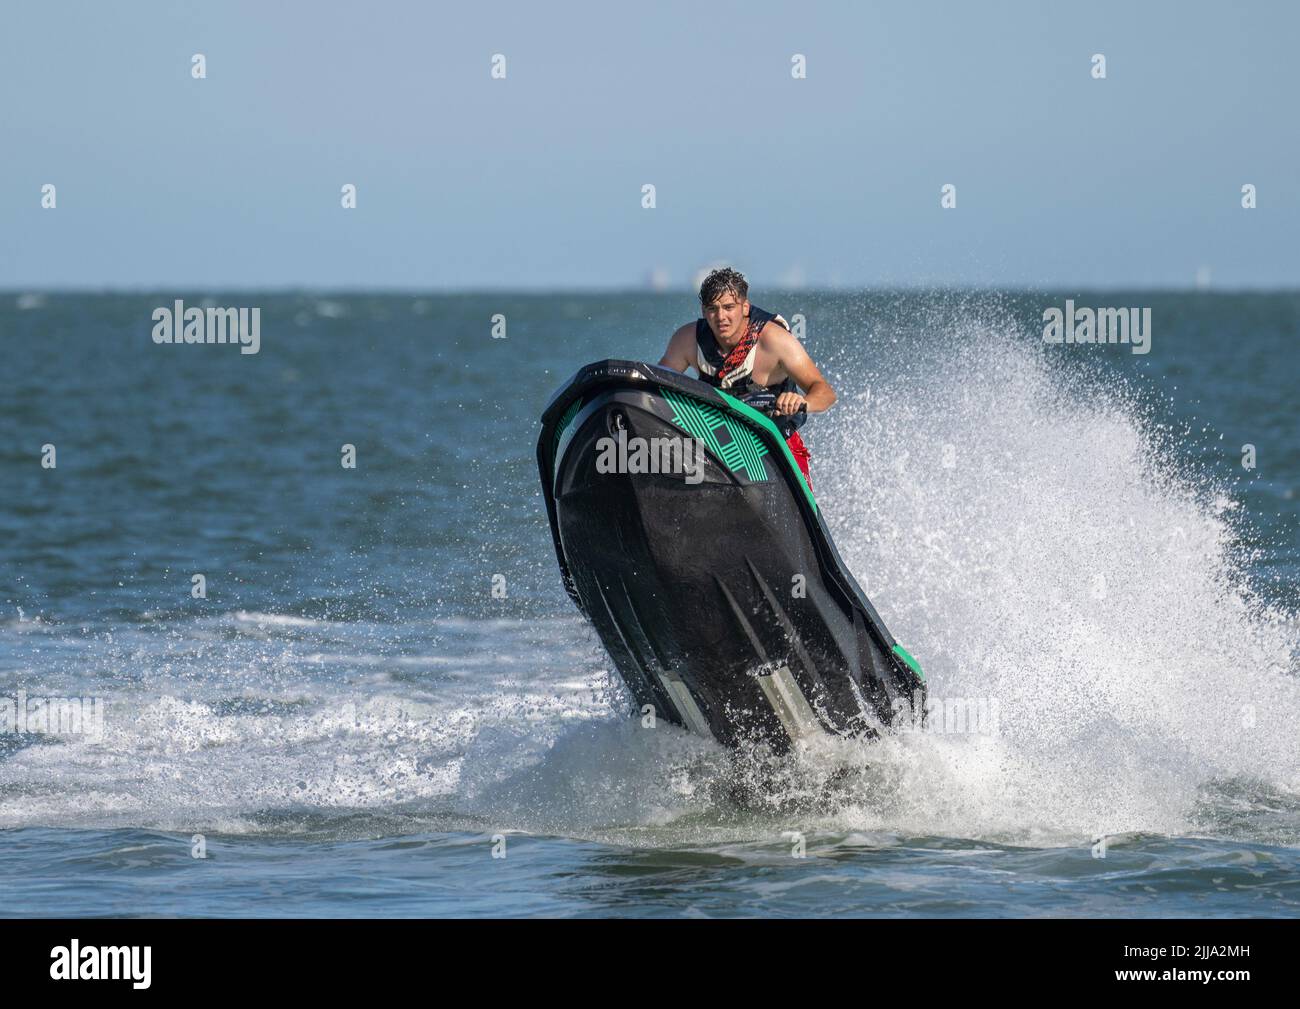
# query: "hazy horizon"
756,292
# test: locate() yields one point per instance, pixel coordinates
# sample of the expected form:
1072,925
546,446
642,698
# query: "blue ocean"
306,606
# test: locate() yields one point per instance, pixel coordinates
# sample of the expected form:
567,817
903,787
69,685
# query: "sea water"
314,593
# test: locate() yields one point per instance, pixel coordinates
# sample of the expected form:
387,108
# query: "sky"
535,181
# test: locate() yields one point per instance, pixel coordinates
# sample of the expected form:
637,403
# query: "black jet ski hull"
717,592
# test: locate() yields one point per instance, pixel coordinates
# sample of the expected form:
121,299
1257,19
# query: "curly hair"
720,281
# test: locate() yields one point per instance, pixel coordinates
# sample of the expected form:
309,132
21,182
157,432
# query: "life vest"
732,370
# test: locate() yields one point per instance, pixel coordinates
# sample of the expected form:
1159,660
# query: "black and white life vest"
732,370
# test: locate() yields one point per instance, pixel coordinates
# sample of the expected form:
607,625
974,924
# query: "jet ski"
688,537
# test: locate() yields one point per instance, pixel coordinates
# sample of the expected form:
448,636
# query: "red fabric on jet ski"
801,454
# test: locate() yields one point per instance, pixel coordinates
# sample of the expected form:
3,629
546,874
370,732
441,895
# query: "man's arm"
680,354
818,393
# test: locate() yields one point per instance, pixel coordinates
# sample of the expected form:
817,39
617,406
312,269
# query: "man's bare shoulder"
774,335
684,338
681,349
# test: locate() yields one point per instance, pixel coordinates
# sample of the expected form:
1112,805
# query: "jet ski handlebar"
765,403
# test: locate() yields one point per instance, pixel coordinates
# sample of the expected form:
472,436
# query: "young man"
741,348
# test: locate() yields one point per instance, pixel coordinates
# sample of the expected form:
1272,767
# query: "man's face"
727,316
